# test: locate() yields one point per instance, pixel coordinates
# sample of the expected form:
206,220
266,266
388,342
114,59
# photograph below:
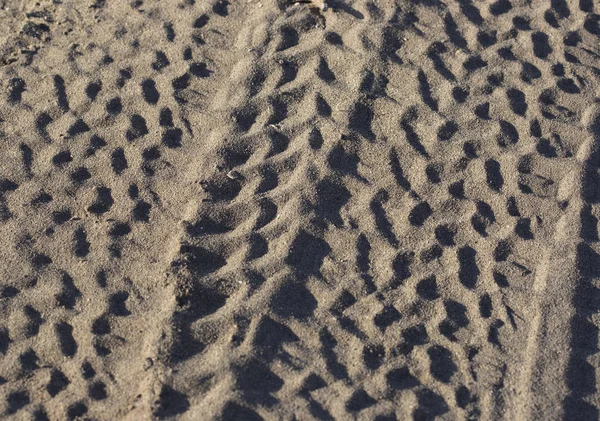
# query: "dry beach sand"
260,209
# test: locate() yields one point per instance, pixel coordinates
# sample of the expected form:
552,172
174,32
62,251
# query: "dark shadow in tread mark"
413,336
517,101
444,234
386,317
431,406
149,91
16,401
468,271
344,162
141,211
257,383
289,38
401,180
328,344
119,229
66,341
16,88
382,222
78,127
474,63
160,62
58,383
331,197
433,172
453,32
201,21
103,202
81,247
529,72
305,264
294,299
374,85
419,214
523,229
413,138
124,76
170,403
487,38
500,7
166,117
221,188
34,321
76,410
401,379
289,72
361,119
69,294
62,158
434,54
171,137
233,411
323,108
97,391
425,91
269,180
40,261
363,248
220,8
118,161
401,267
270,338
114,106
207,226
198,260
200,70
428,289
508,134
493,175
101,326
441,365
315,138
195,301
29,361
5,340
279,141
80,175
568,86
93,89
359,401
482,110
581,376
117,304
447,130
245,118
41,123
373,356
324,72
169,31
61,93
138,128
541,45
432,253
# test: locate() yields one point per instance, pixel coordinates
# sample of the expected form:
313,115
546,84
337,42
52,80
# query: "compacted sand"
260,209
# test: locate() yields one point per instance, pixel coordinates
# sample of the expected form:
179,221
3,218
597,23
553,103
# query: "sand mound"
260,209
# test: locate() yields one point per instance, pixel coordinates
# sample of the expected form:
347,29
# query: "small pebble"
234,175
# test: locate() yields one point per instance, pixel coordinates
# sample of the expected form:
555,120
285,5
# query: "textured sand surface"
258,209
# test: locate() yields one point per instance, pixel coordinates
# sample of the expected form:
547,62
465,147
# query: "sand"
261,209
